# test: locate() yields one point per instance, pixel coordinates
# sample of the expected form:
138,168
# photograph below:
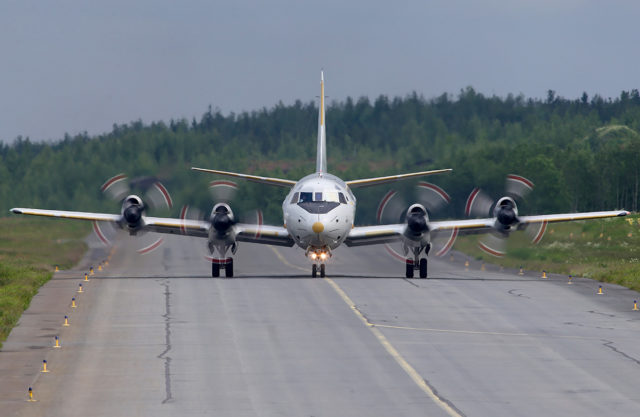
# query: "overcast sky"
73,66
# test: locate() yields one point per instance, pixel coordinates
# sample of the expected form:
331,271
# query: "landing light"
323,256
314,256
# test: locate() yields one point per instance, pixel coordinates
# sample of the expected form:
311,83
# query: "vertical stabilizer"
321,158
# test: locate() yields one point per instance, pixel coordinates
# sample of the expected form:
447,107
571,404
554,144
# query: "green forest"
582,154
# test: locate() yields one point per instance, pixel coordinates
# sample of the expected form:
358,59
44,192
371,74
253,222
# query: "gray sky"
71,66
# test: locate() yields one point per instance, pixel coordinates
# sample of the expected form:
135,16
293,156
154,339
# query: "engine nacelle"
506,214
417,222
132,210
222,218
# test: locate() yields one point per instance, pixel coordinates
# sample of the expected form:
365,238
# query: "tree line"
582,154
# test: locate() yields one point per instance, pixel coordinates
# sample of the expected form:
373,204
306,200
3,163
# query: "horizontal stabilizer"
255,178
392,178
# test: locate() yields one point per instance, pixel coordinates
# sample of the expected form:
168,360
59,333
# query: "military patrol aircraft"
319,216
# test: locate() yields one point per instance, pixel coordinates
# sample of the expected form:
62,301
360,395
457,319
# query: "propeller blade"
518,186
494,245
391,208
535,231
253,217
116,187
158,197
478,204
223,191
442,244
431,196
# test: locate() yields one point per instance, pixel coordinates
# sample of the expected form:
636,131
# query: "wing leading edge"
375,235
263,234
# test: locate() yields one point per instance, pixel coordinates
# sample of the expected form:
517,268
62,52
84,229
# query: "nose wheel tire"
314,271
423,268
215,269
322,270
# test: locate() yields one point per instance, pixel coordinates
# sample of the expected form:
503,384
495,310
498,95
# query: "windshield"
320,201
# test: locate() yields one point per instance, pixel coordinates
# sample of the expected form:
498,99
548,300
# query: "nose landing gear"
318,257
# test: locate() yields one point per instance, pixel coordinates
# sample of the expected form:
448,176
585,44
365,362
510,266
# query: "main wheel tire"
423,268
322,271
409,270
228,268
215,269
314,271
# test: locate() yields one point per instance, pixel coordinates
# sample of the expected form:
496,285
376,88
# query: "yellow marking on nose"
317,227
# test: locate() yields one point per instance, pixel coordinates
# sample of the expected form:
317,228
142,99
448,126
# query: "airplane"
319,216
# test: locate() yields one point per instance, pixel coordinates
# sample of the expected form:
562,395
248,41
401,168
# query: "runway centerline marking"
410,370
284,261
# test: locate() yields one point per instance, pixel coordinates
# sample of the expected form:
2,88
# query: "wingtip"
16,211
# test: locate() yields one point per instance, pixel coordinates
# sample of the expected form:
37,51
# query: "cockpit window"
318,197
343,200
294,199
306,197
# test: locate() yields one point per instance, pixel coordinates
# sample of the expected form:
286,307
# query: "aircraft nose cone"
317,227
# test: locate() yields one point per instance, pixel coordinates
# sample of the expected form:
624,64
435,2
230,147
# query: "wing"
392,178
254,178
264,234
374,235
485,225
551,218
152,224
78,215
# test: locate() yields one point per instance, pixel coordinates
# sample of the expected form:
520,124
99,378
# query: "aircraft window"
294,199
304,197
318,197
331,196
343,200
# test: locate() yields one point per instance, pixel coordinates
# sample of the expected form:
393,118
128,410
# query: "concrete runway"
154,335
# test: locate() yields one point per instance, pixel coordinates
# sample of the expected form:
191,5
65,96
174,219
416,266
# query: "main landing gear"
226,264
417,263
314,271
422,267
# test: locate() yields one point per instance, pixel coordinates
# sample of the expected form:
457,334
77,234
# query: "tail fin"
321,158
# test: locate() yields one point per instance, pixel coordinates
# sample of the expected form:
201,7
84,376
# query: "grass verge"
29,250
606,250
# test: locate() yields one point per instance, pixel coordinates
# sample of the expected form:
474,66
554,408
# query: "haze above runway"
155,335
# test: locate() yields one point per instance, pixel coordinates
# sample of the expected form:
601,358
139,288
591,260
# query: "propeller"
222,218
119,188
505,211
429,199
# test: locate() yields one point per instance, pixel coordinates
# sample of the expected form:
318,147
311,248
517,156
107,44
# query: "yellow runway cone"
86,277
73,302
31,399
100,267
521,272
91,271
66,321
635,305
570,280
80,288
57,344
600,292
44,367
544,274
57,269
